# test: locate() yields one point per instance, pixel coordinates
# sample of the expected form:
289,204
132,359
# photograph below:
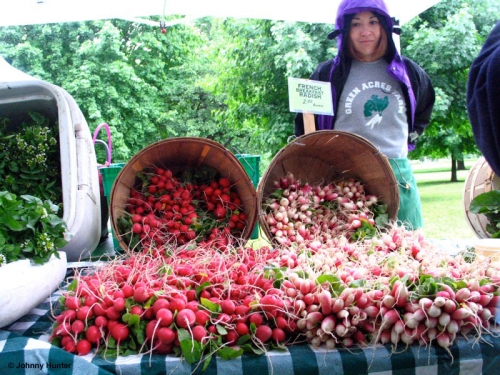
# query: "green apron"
410,209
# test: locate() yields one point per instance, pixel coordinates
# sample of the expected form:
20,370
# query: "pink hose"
108,133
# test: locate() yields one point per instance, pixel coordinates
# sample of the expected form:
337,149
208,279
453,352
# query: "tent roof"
25,12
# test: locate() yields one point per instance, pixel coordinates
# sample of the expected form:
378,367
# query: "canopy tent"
26,12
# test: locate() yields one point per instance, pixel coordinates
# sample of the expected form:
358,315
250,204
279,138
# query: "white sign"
308,96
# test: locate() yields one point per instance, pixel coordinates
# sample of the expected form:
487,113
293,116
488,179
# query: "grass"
442,201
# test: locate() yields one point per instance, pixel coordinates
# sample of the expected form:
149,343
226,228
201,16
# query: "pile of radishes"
197,206
298,213
192,301
196,300
334,279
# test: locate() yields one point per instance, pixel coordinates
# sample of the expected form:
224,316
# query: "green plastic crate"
251,164
108,178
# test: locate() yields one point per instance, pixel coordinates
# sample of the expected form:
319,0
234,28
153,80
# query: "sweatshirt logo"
374,107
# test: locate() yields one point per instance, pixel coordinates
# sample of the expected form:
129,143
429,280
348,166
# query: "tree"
141,82
227,79
253,60
444,41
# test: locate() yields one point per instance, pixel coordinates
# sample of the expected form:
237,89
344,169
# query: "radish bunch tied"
304,214
190,301
394,288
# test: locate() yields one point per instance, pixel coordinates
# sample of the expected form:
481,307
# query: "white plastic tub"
24,285
20,93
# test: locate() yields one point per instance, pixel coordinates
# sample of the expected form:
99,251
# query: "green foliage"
254,59
141,82
227,79
488,204
444,40
30,161
29,228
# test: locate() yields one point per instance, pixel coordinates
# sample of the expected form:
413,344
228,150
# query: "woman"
377,93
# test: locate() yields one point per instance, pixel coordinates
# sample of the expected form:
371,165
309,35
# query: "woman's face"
365,36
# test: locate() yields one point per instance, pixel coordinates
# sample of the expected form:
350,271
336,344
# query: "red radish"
101,321
152,330
119,304
165,317
177,304
77,327
112,313
165,335
199,333
137,228
241,310
141,294
231,337
256,319
63,329
137,310
120,332
185,318
70,346
227,306
325,301
160,303
263,333
83,347
328,324
128,291
66,339
202,317
242,329
72,303
278,335
93,334
84,313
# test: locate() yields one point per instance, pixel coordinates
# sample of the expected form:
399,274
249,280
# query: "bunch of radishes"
392,314
396,288
196,206
193,300
301,213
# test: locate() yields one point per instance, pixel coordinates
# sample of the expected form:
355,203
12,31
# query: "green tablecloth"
24,349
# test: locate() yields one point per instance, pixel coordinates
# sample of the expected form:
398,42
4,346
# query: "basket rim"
237,169
306,139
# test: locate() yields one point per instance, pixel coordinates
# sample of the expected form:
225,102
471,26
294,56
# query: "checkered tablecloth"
24,349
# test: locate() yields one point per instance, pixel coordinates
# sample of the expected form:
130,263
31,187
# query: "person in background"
483,99
377,93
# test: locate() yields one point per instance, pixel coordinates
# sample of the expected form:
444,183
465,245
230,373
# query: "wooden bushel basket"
177,154
481,179
327,156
